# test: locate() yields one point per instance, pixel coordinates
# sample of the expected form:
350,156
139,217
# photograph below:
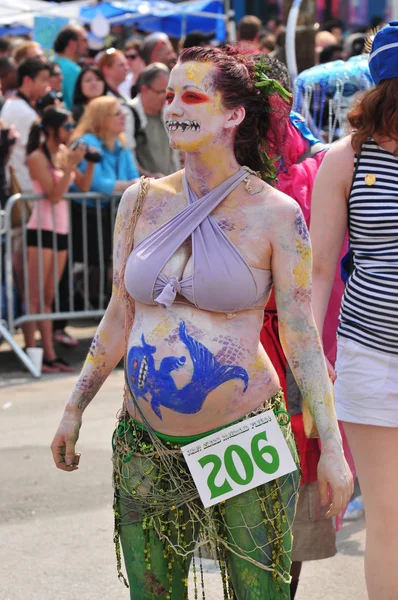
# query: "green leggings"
256,525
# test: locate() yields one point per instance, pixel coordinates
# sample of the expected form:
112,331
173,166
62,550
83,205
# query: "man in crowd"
26,50
70,45
249,34
56,77
33,81
153,151
331,53
136,65
158,48
8,78
335,27
5,47
198,38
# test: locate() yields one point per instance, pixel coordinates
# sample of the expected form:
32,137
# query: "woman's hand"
334,471
63,445
76,155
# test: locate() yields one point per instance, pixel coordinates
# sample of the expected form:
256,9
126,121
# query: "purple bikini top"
222,281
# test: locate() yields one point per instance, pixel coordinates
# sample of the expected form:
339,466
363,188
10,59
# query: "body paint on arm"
291,267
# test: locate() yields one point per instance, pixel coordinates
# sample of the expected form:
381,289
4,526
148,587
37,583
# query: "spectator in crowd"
33,81
158,48
331,53
51,99
267,44
354,44
249,34
377,23
8,78
102,127
56,77
27,50
90,84
70,45
323,39
8,137
52,168
5,47
113,65
136,65
33,77
198,38
335,27
274,26
153,147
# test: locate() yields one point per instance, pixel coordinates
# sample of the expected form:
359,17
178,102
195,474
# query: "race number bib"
238,458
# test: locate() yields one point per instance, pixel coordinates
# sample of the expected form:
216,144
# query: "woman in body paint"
191,287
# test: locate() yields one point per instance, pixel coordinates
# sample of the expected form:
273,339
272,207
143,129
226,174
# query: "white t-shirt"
125,87
18,112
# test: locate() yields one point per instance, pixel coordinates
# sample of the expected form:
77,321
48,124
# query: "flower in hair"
269,87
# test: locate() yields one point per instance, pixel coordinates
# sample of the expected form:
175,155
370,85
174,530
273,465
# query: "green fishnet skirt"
163,526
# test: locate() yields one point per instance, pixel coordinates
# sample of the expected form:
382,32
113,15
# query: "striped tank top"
369,310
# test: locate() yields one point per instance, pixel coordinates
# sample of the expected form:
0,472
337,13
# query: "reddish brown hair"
235,79
376,113
108,57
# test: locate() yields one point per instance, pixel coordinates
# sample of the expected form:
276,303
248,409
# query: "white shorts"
366,388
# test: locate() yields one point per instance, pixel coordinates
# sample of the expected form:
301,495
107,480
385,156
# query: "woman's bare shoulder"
340,156
171,184
128,201
37,157
274,209
337,168
269,196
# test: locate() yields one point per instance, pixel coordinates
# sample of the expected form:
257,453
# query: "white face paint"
194,115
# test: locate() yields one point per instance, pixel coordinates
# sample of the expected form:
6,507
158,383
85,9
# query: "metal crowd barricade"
4,329
17,275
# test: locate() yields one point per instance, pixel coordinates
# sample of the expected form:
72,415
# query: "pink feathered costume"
297,180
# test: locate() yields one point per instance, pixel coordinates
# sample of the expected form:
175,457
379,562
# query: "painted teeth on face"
143,372
183,125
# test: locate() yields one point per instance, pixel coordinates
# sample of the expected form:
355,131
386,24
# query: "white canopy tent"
24,11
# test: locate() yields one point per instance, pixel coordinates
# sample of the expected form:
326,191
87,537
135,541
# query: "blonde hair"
21,52
95,119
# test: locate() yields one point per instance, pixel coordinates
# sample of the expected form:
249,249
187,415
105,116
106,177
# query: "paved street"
56,528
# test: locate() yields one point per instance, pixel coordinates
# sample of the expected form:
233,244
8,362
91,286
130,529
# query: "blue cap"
383,59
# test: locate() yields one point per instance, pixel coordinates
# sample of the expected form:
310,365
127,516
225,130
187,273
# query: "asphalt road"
56,528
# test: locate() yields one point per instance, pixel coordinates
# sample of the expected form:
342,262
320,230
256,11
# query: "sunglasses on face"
131,56
69,126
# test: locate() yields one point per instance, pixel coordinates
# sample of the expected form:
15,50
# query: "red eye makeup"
195,98
169,97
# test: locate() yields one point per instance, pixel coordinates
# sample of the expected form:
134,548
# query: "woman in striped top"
357,187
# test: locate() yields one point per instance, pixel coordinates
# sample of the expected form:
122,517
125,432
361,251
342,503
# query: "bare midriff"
192,370
231,378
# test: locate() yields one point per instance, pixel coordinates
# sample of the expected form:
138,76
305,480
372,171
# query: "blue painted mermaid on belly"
208,374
